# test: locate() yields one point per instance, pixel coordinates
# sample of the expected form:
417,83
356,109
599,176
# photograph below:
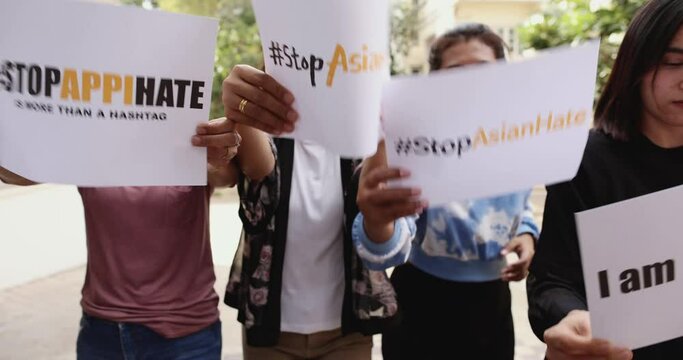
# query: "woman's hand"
523,245
381,205
220,139
571,339
253,98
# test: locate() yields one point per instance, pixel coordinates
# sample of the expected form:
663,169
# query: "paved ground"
39,319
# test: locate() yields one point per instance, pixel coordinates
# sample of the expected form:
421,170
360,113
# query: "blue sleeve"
527,224
381,256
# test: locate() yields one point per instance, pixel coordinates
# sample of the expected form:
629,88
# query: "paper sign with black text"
100,95
486,130
333,56
631,253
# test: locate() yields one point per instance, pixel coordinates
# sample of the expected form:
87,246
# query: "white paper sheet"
491,129
347,42
62,137
636,246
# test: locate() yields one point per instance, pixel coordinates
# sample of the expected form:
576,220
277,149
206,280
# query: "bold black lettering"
6,79
434,150
182,85
403,146
630,281
464,144
165,95
658,269
448,147
197,95
422,146
285,49
296,58
316,65
52,77
20,77
144,91
604,284
35,80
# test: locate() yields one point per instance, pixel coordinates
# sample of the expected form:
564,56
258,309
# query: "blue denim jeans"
104,340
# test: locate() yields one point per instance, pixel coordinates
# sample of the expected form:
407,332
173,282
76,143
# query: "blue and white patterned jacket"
460,241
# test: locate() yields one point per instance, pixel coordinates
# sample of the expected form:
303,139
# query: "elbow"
538,326
536,318
18,182
223,183
258,174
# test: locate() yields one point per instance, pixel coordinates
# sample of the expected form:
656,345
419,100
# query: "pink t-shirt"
149,257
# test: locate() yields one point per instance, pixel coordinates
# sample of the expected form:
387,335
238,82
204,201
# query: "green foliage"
238,43
572,21
132,2
407,19
151,3
202,7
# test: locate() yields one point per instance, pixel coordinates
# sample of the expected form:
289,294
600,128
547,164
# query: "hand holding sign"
381,205
634,294
220,139
523,246
571,339
254,98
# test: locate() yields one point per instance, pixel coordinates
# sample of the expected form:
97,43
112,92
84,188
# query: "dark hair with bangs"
464,33
619,109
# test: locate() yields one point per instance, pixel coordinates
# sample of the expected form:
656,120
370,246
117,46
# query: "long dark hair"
649,34
464,33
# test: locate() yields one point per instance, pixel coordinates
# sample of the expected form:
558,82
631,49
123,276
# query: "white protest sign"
631,253
333,56
100,95
490,129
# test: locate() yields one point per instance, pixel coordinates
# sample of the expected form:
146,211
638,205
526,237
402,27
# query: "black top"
610,171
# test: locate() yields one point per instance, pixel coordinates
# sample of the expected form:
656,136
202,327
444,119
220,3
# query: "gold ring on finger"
243,104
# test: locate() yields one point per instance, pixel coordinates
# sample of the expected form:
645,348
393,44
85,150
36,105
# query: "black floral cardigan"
255,281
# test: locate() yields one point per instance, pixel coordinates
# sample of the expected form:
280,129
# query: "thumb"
509,247
216,126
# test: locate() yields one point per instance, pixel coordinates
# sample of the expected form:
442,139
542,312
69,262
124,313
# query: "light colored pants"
324,345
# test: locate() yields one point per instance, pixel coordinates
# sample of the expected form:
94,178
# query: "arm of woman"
555,286
384,228
255,156
523,244
223,138
11,178
381,206
221,141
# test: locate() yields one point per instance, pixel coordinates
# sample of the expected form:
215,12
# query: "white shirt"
313,273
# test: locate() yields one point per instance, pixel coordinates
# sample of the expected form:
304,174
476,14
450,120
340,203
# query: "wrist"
378,232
